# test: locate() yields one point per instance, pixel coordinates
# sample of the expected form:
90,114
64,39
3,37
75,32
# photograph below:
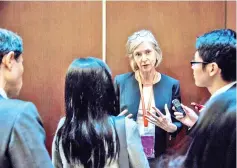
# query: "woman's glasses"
139,34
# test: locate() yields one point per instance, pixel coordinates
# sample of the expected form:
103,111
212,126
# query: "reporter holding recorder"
214,67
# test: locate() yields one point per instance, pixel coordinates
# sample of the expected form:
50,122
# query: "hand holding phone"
178,106
124,111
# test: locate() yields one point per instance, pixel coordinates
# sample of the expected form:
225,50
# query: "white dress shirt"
3,93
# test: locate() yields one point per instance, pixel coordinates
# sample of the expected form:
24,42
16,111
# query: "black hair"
219,46
88,136
10,41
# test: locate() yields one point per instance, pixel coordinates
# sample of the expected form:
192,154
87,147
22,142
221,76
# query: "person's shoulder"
17,106
169,78
227,96
19,113
13,101
124,76
10,110
223,100
232,90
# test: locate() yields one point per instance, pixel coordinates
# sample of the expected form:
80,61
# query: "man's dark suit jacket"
205,151
190,132
22,136
165,91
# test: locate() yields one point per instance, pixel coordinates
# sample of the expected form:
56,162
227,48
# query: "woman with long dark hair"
86,136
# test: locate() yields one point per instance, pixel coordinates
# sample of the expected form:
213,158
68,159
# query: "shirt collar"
3,93
223,89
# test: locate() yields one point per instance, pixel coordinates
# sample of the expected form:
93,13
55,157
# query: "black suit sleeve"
27,143
190,130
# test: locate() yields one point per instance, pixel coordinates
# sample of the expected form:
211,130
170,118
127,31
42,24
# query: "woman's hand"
124,112
162,121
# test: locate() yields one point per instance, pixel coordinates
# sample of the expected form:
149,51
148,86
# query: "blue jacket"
165,91
22,136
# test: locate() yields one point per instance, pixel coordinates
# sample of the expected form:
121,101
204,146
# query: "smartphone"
178,106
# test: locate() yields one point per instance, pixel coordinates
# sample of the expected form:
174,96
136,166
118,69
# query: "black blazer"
165,91
192,133
22,136
214,144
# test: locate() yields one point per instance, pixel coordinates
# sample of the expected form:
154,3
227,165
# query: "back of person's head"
89,86
10,41
219,46
11,63
214,137
87,135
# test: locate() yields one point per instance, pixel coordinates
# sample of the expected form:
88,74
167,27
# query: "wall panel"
54,33
175,25
231,15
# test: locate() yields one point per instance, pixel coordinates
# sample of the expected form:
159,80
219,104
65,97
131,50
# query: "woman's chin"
146,69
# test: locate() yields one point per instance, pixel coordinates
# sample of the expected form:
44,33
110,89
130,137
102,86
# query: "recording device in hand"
178,106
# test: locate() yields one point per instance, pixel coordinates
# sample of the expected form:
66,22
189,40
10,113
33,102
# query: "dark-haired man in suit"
22,142
214,67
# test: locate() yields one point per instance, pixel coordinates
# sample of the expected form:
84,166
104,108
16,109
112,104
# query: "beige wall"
55,33
176,26
231,14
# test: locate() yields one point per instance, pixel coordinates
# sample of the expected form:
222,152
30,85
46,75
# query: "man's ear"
213,69
8,60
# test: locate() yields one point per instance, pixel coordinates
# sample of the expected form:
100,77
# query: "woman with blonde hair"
146,89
